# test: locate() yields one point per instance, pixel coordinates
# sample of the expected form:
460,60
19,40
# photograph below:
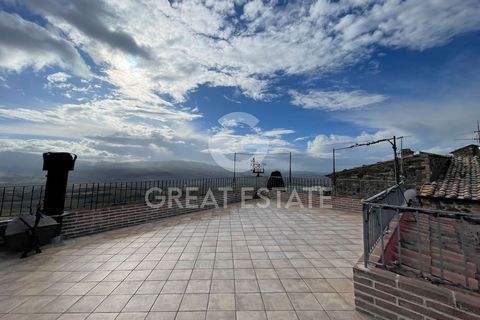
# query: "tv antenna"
393,143
257,167
476,138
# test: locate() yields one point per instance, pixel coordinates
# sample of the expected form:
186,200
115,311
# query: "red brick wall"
387,295
314,200
84,222
347,204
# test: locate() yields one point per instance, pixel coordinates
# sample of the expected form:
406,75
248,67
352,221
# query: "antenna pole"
334,173
395,160
478,132
290,170
401,157
234,167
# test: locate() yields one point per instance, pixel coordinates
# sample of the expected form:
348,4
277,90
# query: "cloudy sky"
133,80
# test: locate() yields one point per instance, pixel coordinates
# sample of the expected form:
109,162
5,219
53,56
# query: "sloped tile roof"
461,181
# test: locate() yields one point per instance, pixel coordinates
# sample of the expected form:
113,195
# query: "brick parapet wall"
386,295
84,222
347,204
313,199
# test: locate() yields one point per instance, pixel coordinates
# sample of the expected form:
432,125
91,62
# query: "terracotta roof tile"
461,181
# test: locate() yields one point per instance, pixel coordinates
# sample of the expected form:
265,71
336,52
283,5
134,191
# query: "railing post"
380,219
366,240
399,243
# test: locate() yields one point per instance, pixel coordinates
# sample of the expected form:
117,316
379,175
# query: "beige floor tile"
198,286
225,274
281,315
74,316
102,316
221,301
304,301
159,274
276,301
139,303
33,304
113,303
80,288
60,304
86,304
161,315
220,315
271,286
131,316
249,301
319,285
312,315
127,287
191,315
201,274
167,302
295,285
341,285
251,315
150,287
194,302
333,302
266,274
174,286
103,288
246,286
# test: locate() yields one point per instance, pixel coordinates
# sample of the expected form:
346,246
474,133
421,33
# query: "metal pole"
401,158
290,170
234,168
395,160
334,173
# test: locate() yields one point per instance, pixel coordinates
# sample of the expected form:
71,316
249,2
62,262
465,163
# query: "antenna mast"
478,132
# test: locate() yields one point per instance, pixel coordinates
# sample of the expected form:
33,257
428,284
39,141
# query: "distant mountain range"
27,169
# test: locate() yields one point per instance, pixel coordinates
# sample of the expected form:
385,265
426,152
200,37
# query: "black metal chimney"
57,165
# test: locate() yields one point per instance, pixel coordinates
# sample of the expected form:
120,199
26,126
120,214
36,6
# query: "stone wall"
451,205
368,180
386,295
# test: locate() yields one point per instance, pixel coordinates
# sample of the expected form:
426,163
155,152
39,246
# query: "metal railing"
15,200
442,247
377,218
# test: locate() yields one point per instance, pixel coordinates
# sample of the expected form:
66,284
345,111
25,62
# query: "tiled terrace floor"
234,263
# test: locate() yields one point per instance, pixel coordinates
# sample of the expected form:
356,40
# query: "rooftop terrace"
231,263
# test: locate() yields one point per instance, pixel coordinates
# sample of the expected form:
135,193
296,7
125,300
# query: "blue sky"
129,80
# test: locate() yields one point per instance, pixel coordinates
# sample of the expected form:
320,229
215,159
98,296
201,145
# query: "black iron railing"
439,246
15,200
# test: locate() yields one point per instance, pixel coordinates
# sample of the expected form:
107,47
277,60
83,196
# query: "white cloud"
277,132
177,47
58,77
26,44
322,146
335,100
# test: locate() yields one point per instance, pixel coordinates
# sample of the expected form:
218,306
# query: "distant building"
457,188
